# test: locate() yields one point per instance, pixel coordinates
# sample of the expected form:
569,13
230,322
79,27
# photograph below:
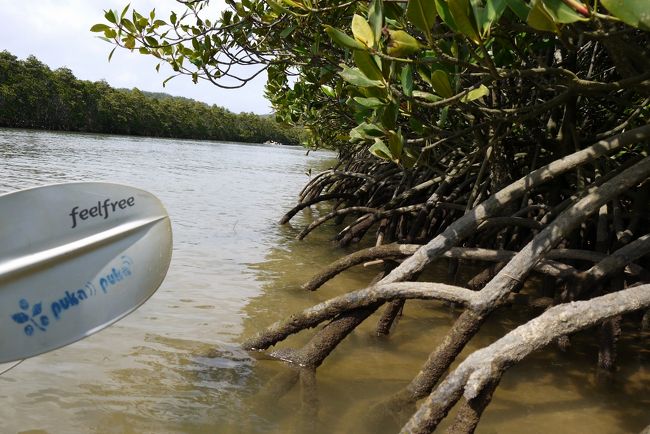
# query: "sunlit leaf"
475,94
362,31
401,44
342,39
356,77
379,149
295,4
395,144
561,12
636,13
327,90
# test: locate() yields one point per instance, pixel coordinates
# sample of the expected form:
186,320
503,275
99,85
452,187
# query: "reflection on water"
174,366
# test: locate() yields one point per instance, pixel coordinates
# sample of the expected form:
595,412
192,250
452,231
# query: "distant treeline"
34,96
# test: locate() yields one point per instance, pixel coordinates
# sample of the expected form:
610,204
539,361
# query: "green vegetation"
34,96
505,131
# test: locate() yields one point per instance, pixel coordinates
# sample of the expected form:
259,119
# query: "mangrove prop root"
470,411
515,271
360,299
546,266
389,316
288,216
324,342
474,376
464,226
309,402
486,364
609,333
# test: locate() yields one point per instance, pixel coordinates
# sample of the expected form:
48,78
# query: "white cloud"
57,33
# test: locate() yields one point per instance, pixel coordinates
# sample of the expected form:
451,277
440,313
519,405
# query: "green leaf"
365,131
520,8
495,9
124,11
475,94
110,16
440,83
99,28
286,32
406,78
395,144
636,13
426,96
366,63
488,15
362,31
110,55
129,42
370,103
342,39
376,19
561,12
460,11
379,149
356,77
389,116
128,25
143,50
295,4
539,19
401,44
327,90
422,13
443,11
110,33
278,8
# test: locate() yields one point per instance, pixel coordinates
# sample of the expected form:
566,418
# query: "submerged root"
558,234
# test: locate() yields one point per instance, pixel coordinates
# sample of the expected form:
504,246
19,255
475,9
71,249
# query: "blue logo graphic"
36,318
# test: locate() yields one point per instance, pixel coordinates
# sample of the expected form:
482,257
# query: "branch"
313,316
480,367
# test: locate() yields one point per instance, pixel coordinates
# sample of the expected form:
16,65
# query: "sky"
57,33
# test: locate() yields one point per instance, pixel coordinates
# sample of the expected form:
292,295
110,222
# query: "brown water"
174,365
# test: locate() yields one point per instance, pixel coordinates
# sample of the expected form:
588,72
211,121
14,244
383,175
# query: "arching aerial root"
476,381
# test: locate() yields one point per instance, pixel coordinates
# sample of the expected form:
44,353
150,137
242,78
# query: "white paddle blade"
74,259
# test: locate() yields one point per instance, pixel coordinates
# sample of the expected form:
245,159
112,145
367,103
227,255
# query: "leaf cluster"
411,81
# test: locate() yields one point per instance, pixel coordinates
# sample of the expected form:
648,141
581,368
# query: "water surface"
174,365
